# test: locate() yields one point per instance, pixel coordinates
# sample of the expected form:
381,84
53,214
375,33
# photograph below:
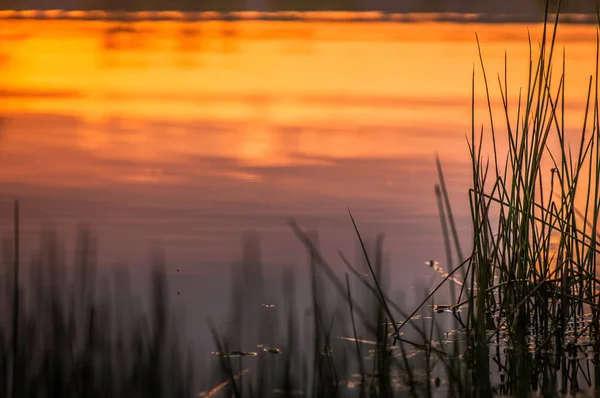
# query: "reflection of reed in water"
248,294
77,336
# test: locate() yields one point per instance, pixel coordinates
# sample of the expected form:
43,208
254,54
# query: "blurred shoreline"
323,16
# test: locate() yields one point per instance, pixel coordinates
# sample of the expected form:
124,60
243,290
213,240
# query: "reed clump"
533,306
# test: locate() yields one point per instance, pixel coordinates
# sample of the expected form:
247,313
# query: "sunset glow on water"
185,135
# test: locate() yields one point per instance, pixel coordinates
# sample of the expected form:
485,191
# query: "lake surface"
184,136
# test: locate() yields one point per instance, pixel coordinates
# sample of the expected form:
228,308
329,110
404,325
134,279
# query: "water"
186,135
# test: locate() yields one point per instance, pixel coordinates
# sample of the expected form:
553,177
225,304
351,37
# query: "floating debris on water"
439,308
400,322
234,354
358,340
268,305
270,350
436,267
371,342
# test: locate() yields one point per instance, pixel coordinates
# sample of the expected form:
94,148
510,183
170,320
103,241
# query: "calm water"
184,136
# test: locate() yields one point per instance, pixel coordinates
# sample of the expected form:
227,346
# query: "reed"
534,215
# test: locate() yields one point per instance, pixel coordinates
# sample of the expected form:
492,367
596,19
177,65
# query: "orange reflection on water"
135,97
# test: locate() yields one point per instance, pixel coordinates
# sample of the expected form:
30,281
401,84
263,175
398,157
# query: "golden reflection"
356,90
